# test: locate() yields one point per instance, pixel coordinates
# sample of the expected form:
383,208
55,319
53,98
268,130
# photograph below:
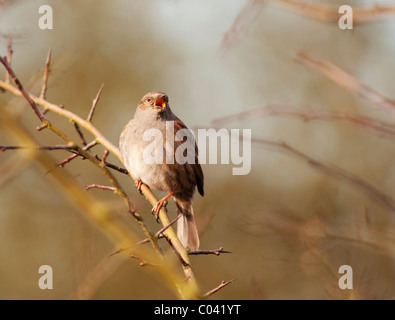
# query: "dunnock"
179,180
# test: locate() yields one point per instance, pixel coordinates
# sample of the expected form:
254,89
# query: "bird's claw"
138,185
156,208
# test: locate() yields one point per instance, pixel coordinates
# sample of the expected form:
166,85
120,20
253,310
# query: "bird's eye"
149,99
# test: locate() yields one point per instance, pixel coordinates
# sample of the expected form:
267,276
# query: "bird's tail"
186,226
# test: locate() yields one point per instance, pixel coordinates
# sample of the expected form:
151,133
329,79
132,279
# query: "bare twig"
120,250
117,168
91,112
80,134
96,277
346,80
56,147
330,13
380,197
101,187
216,252
241,24
31,102
46,74
105,155
142,263
219,287
67,160
160,232
308,114
184,262
9,55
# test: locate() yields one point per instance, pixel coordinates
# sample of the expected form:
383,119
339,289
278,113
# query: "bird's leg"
161,203
138,184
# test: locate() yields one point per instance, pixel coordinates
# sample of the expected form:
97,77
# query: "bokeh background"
289,227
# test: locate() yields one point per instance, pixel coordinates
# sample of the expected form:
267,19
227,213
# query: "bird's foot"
160,204
138,184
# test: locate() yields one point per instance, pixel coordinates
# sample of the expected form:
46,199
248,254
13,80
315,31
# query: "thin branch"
96,277
380,197
347,81
105,155
80,134
91,112
330,13
67,160
219,287
46,74
184,262
55,147
142,263
101,187
308,114
9,55
113,166
216,252
160,232
241,24
31,102
117,168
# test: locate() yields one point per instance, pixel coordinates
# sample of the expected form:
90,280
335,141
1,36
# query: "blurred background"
289,226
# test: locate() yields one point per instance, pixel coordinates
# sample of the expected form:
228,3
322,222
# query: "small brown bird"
178,179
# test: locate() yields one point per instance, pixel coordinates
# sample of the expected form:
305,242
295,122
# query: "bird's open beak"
161,101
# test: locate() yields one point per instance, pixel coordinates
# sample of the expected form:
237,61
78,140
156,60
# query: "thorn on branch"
46,73
142,262
216,252
77,128
105,155
91,112
113,166
219,287
67,160
160,232
42,127
117,251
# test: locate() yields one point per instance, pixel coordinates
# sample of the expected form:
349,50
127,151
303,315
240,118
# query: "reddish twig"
113,166
309,114
347,81
105,155
31,102
119,251
46,74
335,172
330,13
85,148
91,112
219,287
240,25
